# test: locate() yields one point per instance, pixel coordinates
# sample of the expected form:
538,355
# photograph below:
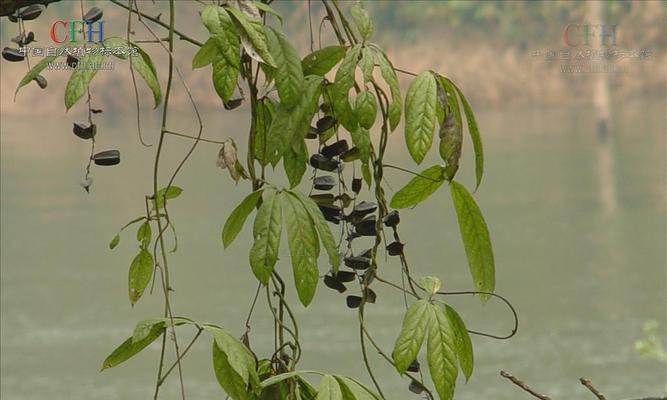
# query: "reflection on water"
578,229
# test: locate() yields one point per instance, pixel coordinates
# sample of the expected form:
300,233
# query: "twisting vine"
254,62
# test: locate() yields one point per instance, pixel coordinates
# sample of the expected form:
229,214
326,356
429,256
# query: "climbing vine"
327,118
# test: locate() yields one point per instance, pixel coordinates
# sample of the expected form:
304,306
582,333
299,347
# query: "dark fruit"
357,262
324,182
41,81
363,208
324,198
325,124
93,15
312,133
356,185
28,39
366,227
84,131
107,158
13,55
31,12
416,387
392,219
395,248
72,61
353,301
331,212
232,104
335,149
370,296
346,276
320,162
414,366
334,283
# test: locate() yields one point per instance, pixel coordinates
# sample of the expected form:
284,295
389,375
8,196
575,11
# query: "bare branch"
523,386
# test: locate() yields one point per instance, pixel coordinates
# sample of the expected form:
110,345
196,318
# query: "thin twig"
592,388
523,386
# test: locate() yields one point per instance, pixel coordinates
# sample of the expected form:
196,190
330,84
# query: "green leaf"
344,81
476,240
366,173
131,347
224,77
367,63
263,119
205,55
255,32
420,104
353,390
362,20
329,389
431,284
141,63
409,341
451,129
140,274
419,188
463,343
295,161
114,242
473,130
239,358
288,76
80,79
223,32
165,194
266,231
39,67
144,328
268,10
289,124
229,380
362,139
441,353
144,235
389,75
304,247
237,218
325,235
365,108
323,60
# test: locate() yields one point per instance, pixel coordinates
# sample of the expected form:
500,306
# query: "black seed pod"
324,182
107,158
72,61
31,12
320,162
312,133
93,15
13,18
353,301
416,387
392,219
28,39
345,199
363,208
356,185
335,149
84,131
331,212
351,155
325,124
41,81
366,227
346,276
232,104
414,366
13,55
370,296
357,262
333,283
324,198
395,248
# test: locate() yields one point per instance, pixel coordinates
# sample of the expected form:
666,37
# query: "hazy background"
577,221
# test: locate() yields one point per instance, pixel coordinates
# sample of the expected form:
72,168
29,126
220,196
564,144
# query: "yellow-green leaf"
141,271
413,332
420,114
441,352
238,217
266,230
419,188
